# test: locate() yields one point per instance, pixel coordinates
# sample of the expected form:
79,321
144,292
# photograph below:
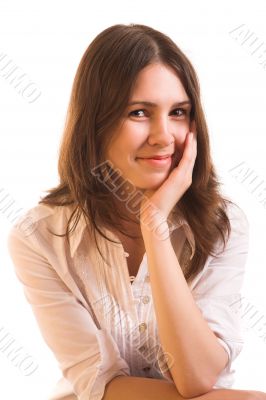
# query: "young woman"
133,265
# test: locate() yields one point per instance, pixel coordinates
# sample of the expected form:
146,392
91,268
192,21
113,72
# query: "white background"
47,40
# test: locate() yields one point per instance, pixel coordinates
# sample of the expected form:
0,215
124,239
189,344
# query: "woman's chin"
150,185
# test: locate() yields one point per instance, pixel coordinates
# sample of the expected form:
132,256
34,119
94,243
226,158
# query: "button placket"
144,347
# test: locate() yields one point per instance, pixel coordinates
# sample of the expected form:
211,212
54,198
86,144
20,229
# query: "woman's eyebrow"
149,103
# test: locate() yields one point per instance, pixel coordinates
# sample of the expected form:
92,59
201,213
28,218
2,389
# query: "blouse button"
145,299
142,327
126,254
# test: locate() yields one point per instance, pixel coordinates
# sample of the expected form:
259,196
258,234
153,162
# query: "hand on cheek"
157,204
180,147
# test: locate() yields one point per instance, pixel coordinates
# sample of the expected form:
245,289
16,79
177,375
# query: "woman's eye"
183,112
135,111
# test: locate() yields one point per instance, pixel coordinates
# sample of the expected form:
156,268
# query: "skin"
157,204
132,388
145,131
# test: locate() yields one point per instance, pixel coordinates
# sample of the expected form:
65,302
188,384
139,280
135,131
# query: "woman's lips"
156,162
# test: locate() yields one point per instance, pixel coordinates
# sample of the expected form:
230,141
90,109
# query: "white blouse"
96,321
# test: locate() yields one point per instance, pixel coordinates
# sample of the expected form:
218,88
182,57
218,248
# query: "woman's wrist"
155,226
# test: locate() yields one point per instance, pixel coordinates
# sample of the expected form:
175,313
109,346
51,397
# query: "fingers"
179,179
189,155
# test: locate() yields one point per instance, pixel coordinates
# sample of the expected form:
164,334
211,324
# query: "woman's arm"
137,388
198,356
87,356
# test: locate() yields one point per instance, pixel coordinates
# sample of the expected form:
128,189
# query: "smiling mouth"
154,158
157,157
156,162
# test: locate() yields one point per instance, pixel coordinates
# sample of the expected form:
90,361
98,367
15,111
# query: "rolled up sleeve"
218,292
88,357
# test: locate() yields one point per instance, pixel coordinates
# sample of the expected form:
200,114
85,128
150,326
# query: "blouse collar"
176,218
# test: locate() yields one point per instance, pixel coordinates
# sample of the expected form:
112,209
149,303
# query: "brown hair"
100,94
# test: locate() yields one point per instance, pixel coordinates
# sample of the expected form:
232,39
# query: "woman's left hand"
157,204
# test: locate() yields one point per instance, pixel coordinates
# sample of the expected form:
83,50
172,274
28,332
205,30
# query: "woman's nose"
160,133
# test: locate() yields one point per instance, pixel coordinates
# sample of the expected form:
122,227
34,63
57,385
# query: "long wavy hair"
100,93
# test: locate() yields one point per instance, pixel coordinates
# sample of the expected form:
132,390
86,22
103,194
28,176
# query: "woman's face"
147,130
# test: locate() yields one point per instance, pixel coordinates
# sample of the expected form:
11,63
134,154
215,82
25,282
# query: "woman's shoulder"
238,218
39,218
239,230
